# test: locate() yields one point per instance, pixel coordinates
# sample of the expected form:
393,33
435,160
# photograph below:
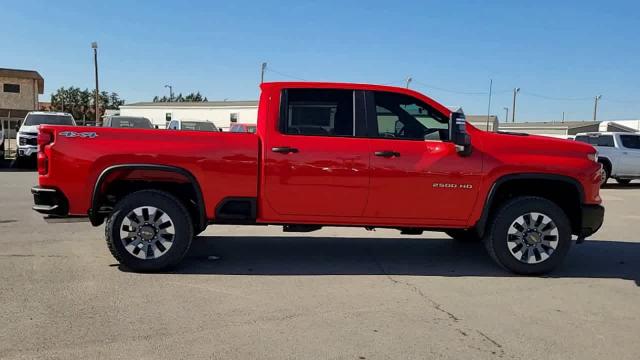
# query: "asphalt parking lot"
255,292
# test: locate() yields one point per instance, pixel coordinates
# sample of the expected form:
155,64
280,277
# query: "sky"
561,54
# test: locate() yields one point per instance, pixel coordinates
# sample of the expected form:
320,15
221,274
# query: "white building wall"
220,116
632,124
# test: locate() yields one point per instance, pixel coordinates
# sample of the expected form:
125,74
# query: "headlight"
593,157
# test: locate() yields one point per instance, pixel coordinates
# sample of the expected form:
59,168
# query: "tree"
191,97
81,103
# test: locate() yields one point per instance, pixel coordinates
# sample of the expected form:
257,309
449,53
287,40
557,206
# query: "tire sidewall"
509,213
169,205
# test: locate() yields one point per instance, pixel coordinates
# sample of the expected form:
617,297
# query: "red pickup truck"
325,154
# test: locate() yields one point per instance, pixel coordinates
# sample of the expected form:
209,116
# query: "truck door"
416,174
314,164
630,153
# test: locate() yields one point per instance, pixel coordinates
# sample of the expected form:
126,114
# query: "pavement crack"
415,289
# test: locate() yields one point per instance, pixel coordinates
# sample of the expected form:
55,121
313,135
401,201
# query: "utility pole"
513,108
170,92
94,46
263,67
595,107
563,116
489,107
506,114
409,79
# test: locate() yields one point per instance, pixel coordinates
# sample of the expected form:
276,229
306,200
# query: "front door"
315,166
416,173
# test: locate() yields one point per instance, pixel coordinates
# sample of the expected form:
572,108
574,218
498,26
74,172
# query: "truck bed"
79,155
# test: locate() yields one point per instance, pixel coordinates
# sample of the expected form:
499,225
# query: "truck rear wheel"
149,230
529,235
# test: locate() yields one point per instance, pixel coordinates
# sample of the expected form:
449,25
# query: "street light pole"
170,92
94,46
409,80
595,107
513,108
263,67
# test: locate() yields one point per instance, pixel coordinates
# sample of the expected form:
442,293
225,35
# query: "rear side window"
630,141
606,141
318,112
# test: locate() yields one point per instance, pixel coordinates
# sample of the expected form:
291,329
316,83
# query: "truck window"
319,112
630,141
605,140
404,117
596,140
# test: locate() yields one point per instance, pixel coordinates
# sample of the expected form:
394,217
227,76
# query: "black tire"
169,205
461,235
497,238
606,174
623,181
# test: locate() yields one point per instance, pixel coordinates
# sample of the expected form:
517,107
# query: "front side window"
322,112
630,141
404,117
598,140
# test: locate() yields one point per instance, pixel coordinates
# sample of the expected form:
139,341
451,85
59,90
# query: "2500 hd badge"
452,186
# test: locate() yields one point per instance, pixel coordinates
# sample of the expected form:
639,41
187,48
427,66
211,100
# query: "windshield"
131,122
198,126
49,119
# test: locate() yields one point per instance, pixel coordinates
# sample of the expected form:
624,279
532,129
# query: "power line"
270,69
556,98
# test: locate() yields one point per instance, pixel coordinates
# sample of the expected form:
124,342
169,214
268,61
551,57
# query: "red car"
325,154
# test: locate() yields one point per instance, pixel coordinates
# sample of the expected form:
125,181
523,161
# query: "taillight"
45,137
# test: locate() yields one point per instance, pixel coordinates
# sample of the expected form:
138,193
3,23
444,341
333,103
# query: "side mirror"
458,133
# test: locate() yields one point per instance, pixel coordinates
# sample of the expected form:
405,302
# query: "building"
633,125
565,129
221,113
480,122
19,90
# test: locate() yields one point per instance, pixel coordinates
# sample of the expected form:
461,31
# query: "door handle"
387,154
284,150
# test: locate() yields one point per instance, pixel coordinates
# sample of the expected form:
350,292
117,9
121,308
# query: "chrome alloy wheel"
532,238
147,232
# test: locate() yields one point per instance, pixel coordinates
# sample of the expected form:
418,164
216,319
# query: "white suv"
27,137
618,152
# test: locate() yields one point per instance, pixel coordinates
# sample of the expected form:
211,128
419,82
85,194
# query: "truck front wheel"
149,230
529,235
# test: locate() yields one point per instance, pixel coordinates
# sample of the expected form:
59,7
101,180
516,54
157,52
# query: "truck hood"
28,129
517,142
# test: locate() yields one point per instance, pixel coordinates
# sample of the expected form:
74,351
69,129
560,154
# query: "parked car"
326,154
197,125
246,128
618,152
133,122
27,137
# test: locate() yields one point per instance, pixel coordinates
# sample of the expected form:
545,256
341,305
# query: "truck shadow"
272,255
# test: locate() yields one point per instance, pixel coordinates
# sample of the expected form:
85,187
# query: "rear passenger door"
316,164
630,150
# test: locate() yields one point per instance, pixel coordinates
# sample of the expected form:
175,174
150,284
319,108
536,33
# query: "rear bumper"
49,202
592,218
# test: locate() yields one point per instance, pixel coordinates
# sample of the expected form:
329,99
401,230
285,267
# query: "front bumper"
27,151
592,218
49,202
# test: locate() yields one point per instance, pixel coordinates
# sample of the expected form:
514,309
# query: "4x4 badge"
72,134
